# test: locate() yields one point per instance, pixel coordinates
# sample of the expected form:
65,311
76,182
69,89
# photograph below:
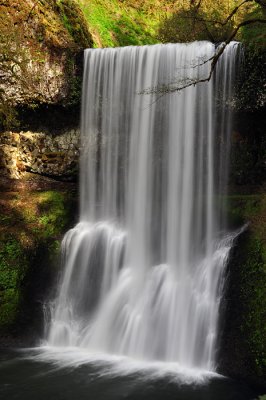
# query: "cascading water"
144,267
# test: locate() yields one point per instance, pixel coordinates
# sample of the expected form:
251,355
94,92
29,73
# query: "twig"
165,89
31,11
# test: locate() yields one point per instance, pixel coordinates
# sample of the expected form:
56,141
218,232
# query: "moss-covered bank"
243,347
33,219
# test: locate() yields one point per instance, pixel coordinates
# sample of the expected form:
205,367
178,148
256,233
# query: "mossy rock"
39,39
243,343
32,224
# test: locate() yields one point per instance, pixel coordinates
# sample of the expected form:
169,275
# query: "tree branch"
221,23
187,82
196,6
31,11
233,12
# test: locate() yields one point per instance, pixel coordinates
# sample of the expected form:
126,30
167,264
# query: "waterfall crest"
144,267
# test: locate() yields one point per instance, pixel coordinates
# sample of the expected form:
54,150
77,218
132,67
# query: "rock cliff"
41,43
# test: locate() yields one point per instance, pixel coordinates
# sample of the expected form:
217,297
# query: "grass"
114,23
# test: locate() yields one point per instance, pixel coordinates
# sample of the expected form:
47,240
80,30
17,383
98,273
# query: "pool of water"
45,374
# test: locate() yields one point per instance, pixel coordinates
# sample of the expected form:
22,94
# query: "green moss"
9,307
254,296
247,208
249,282
31,227
73,20
12,270
121,23
114,23
53,213
31,35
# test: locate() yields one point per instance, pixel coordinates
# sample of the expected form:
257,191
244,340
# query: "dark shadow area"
33,220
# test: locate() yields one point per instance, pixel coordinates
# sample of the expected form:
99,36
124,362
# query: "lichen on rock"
33,218
40,46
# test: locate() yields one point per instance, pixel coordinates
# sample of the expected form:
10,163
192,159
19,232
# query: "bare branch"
244,23
233,12
221,23
196,6
187,82
31,11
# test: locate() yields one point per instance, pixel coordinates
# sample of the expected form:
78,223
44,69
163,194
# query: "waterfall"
144,268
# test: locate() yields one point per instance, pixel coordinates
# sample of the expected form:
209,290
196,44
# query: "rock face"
39,153
41,44
41,47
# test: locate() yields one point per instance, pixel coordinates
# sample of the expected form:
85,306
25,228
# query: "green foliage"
187,25
74,21
254,35
53,214
205,21
40,220
114,23
12,269
9,299
45,29
10,252
246,208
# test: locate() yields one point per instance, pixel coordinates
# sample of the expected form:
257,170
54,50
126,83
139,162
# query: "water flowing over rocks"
144,268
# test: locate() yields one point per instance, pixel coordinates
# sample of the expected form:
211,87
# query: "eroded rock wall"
41,46
39,153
